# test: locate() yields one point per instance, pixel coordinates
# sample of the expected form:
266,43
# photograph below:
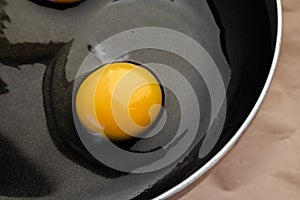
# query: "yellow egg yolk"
120,100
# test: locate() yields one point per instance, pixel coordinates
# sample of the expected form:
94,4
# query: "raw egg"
120,100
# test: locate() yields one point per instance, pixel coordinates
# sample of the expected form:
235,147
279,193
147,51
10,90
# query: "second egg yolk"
119,100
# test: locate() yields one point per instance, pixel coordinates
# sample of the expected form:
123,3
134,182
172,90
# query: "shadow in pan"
54,5
19,177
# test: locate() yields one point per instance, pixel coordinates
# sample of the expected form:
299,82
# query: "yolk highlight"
120,100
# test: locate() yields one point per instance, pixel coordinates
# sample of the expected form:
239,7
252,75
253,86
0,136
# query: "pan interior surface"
42,49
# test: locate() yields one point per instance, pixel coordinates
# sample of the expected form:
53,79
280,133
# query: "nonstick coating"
41,157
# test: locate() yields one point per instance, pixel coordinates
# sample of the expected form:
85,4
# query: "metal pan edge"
212,162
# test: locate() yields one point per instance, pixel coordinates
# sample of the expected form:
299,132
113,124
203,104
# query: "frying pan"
42,47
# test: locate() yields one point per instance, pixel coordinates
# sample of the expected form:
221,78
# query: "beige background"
266,162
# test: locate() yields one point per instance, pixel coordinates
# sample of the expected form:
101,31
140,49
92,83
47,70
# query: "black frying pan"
42,47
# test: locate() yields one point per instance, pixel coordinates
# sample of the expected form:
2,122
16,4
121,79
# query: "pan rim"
213,161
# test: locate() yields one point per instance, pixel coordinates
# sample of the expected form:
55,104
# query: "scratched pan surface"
42,47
